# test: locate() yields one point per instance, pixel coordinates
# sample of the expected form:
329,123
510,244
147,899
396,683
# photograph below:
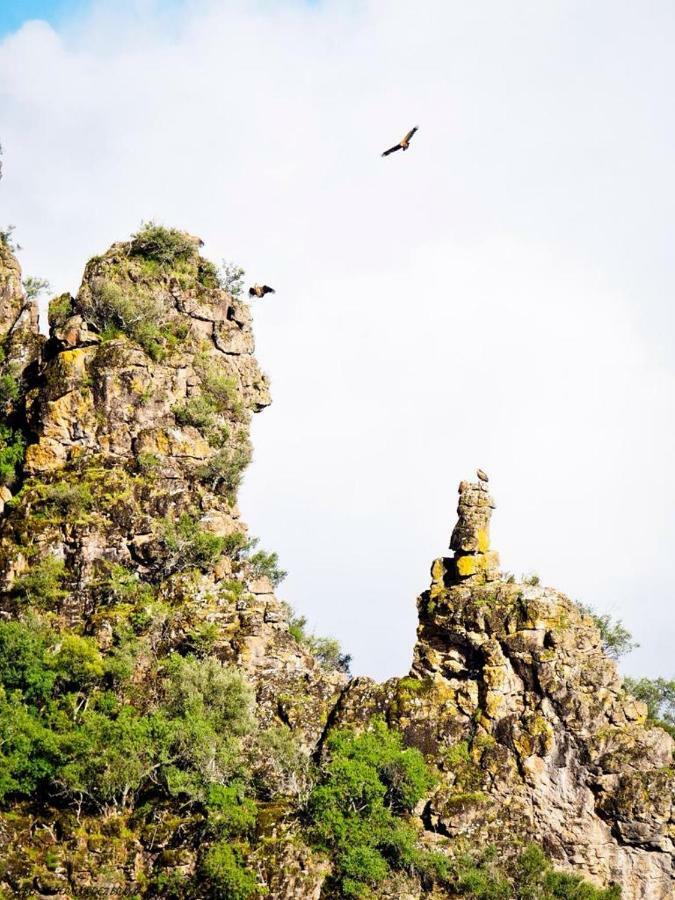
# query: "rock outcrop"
136,435
512,695
125,434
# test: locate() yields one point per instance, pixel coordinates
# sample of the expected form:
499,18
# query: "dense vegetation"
77,731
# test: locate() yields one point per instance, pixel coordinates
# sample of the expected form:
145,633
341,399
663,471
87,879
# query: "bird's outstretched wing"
266,289
392,150
409,135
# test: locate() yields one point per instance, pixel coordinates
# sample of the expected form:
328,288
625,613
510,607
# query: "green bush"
201,639
63,500
135,311
7,238
23,668
493,874
166,246
188,546
357,812
60,310
29,750
197,411
62,727
9,391
117,584
329,653
224,867
206,688
77,663
12,448
219,397
237,545
42,585
220,388
224,470
190,741
110,757
209,706
208,275
230,811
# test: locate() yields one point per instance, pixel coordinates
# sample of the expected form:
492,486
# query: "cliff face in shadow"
163,718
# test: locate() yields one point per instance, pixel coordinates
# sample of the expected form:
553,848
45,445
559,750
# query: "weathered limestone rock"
513,697
470,538
19,331
12,299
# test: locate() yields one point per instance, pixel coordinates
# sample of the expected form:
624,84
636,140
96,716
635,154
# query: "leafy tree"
659,695
9,391
231,278
29,749
327,650
76,662
266,565
357,811
23,649
617,641
110,757
231,812
35,286
117,584
329,653
224,868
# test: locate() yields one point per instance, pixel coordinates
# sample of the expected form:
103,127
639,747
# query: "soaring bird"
402,144
482,475
259,290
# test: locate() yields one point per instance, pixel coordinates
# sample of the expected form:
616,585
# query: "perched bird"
403,144
259,290
482,475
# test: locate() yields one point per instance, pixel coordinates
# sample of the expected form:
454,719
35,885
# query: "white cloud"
498,296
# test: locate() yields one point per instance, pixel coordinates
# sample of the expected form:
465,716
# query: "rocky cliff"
135,603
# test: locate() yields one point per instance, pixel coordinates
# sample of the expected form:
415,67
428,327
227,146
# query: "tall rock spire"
470,538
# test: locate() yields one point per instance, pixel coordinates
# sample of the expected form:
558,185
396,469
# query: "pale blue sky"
13,13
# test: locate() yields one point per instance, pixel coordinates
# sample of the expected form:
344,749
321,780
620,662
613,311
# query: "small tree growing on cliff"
231,278
617,640
35,286
659,695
